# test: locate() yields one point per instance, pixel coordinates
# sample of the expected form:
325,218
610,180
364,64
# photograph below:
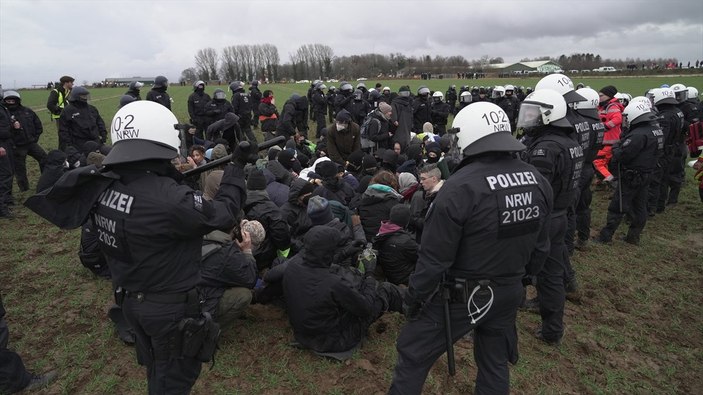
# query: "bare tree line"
317,61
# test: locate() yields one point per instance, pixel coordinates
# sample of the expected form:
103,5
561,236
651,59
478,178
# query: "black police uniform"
465,239
665,180
26,140
439,112
319,110
342,100
636,157
331,112
79,123
216,110
241,104
421,112
583,204
451,99
560,159
6,163
197,110
150,229
255,95
159,95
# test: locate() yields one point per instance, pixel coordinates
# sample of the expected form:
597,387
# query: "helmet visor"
530,116
681,96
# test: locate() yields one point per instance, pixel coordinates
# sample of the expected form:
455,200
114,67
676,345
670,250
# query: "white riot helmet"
497,92
692,92
637,112
386,88
483,127
591,102
143,130
543,107
465,97
641,99
663,96
510,88
196,84
681,92
423,90
438,96
561,84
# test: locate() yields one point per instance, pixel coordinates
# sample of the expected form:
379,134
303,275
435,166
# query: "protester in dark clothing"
379,132
333,187
26,129
343,138
397,248
402,118
369,166
54,167
330,308
259,207
294,211
278,192
377,201
286,125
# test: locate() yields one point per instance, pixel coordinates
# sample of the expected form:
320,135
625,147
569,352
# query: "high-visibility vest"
61,103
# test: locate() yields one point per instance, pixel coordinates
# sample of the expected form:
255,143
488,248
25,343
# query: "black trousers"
245,125
14,377
583,206
674,177
550,280
422,342
7,171
656,178
156,329
20,158
634,201
321,124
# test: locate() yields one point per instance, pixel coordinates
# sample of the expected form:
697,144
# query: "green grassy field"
638,328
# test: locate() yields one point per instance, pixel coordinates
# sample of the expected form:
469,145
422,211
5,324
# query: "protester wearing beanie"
333,187
319,211
397,248
259,207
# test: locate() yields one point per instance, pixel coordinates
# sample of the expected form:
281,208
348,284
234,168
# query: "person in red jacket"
610,110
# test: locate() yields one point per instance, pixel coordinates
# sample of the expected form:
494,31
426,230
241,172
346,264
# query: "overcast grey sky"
95,39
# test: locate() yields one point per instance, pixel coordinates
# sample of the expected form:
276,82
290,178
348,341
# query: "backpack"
366,142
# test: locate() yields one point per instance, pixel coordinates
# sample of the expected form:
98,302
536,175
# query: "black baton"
217,162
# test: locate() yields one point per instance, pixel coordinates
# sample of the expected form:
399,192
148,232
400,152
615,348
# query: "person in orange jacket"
610,110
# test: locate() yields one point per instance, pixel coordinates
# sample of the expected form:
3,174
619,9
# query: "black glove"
245,152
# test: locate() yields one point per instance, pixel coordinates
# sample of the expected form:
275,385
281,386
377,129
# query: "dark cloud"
41,40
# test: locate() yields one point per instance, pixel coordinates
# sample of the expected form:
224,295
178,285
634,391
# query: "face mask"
340,126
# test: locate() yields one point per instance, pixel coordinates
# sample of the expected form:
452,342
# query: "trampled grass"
637,329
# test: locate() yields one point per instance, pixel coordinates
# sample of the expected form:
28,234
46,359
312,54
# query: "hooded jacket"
375,206
403,114
278,192
31,124
397,252
79,123
260,208
341,143
327,313
296,215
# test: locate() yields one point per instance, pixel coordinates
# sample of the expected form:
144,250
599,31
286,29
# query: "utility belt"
198,333
634,178
460,288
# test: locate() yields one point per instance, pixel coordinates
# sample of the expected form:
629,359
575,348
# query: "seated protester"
333,186
218,152
343,137
431,181
280,173
54,167
227,128
228,271
309,173
389,161
294,211
353,165
331,308
197,155
301,144
414,161
321,212
268,115
287,159
397,248
260,208
377,201
407,186
278,192
369,167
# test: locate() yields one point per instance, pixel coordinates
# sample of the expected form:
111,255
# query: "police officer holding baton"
150,228
485,232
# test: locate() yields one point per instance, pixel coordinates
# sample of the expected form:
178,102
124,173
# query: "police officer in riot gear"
452,97
80,122
636,157
319,107
485,231
421,109
589,110
344,97
241,104
439,112
150,229
134,89
158,92
555,153
666,174
197,108
465,99
255,95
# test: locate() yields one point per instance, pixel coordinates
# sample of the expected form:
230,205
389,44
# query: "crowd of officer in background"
340,225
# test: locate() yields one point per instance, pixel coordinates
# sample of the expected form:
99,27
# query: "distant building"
541,66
